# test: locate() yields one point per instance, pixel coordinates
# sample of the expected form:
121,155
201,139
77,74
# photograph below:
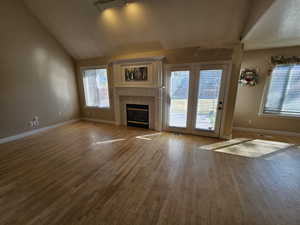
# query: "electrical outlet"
30,123
60,113
35,122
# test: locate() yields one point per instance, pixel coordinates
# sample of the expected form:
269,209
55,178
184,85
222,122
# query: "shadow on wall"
258,9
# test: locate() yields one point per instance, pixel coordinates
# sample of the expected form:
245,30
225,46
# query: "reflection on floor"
147,137
109,141
224,144
248,148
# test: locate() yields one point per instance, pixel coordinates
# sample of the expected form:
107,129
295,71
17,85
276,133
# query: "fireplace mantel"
148,93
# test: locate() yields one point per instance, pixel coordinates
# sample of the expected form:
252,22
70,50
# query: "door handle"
220,107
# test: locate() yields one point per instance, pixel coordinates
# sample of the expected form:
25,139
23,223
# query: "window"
96,90
283,96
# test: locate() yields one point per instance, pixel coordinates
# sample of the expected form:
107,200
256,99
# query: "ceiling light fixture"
108,4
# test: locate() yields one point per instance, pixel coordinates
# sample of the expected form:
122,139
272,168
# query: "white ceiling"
149,25
278,27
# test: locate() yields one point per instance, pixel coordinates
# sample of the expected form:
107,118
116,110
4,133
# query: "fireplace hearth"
137,115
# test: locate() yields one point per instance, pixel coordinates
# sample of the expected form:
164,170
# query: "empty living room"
150,112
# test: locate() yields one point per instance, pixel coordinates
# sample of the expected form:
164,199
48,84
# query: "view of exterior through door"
179,96
195,99
208,99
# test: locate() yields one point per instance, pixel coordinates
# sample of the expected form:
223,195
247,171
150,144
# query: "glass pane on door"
179,92
208,99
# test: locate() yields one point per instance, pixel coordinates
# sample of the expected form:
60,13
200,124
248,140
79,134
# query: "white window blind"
283,95
96,90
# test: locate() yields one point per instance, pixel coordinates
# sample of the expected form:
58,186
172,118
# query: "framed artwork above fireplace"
136,73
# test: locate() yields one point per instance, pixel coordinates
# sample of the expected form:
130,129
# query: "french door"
195,98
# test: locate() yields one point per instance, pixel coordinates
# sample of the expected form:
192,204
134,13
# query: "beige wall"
37,77
182,55
257,10
186,55
249,98
176,56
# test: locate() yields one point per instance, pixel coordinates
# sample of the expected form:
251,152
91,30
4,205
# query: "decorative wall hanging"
280,60
248,77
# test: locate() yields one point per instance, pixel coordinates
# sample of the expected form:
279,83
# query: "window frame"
82,70
264,101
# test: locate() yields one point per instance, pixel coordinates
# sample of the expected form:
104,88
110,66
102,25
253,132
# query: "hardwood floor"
95,174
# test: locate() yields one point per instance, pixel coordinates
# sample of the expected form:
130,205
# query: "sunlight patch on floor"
109,141
224,144
251,148
147,136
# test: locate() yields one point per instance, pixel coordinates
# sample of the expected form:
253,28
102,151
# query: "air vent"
107,4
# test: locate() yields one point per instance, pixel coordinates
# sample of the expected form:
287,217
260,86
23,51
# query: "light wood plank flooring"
96,174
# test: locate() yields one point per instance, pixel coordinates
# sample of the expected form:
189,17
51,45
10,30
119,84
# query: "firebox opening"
137,115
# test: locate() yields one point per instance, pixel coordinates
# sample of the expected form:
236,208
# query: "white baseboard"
98,121
263,131
32,132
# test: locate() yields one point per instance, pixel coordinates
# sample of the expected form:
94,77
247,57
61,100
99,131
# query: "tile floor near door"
96,174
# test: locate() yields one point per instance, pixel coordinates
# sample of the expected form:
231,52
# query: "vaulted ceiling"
149,25
143,26
278,27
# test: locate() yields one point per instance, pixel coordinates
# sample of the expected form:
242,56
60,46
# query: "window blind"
96,90
283,95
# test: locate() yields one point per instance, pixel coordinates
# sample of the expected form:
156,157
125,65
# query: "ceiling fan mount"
107,4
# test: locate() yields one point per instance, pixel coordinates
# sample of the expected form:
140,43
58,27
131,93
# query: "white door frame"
194,69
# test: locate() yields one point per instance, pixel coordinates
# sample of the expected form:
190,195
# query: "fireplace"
137,115
143,96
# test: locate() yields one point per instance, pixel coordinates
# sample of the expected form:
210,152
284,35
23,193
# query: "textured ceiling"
278,27
148,25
